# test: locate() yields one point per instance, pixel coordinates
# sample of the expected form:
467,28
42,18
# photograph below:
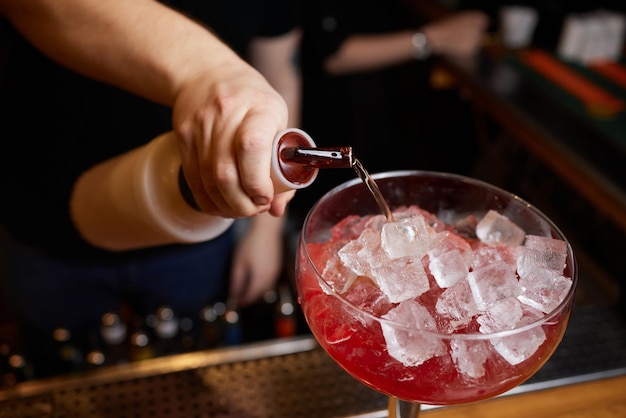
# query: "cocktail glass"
412,359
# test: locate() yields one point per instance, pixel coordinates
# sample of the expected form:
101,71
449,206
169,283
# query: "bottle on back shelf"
140,342
165,331
257,320
211,325
188,334
14,366
19,369
114,334
69,355
232,332
285,320
95,356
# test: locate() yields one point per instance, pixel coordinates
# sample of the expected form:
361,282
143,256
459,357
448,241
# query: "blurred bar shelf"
574,147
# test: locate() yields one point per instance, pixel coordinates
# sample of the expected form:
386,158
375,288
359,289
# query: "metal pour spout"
336,157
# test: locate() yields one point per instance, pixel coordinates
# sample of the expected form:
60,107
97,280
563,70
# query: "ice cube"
401,279
448,268
352,226
488,254
497,229
509,314
492,283
542,252
450,259
431,219
375,222
349,257
363,253
469,356
407,237
414,345
367,295
520,346
501,315
544,289
338,276
457,305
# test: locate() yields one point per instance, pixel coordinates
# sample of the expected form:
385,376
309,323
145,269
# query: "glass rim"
329,289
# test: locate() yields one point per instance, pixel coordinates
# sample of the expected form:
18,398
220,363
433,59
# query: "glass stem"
402,409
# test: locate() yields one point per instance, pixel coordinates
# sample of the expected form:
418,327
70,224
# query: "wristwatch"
421,46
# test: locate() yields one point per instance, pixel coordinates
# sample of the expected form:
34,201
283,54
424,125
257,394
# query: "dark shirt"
376,112
55,124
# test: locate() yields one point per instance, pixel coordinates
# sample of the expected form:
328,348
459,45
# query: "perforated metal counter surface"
283,378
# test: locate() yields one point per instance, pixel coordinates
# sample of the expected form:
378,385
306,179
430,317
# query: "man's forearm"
141,46
371,52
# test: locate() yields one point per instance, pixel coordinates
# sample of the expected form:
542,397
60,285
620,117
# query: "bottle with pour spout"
139,199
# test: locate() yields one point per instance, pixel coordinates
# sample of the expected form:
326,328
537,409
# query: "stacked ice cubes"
500,280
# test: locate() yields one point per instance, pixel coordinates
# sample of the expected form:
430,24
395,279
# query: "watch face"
421,46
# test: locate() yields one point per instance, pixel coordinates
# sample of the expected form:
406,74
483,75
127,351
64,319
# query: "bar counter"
295,378
604,398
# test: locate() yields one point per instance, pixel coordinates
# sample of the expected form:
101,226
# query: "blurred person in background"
85,81
366,83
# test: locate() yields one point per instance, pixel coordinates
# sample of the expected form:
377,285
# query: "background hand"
458,35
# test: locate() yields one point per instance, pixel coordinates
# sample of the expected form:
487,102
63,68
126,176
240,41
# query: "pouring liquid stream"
338,157
373,188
